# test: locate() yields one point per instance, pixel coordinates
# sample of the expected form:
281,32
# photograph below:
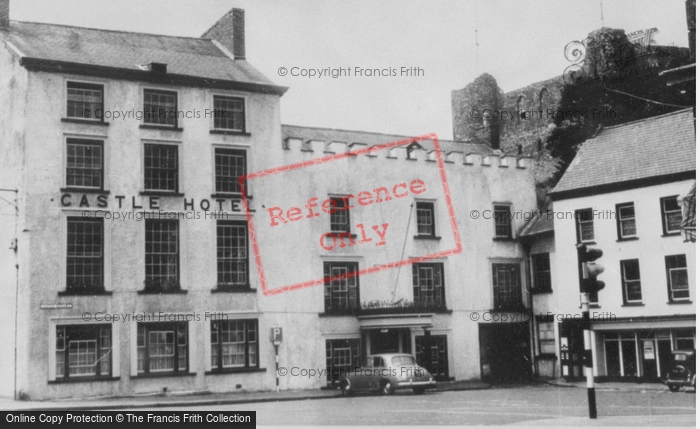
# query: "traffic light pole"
588,356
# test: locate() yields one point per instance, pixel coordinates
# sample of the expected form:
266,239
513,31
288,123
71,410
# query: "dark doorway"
505,352
391,340
571,332
629,356
665,356
647,354
612,358
431,354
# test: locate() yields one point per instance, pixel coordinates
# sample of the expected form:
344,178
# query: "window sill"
633,304
84,190
160,194
83,380
348,313
162,292
587,243
230,132
233,289
671,234
518,309
679,302
427,237
504,239
239,196
86,292
234,371
627,239
160,127
547,356
339,233
85,121
164,374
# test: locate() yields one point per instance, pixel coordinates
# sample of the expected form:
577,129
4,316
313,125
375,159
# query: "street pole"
277,368
588,355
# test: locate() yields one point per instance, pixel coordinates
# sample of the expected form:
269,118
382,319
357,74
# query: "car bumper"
416,383
678,382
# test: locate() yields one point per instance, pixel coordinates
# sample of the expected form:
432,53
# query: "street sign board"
276,335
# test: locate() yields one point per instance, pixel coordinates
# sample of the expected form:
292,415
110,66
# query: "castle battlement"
417,151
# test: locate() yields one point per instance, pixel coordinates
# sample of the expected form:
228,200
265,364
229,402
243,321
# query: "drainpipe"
533,338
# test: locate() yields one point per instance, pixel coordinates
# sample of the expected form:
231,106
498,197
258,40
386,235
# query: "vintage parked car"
385,373
683,372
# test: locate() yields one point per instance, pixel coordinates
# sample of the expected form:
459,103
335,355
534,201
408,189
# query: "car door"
376,375
361,379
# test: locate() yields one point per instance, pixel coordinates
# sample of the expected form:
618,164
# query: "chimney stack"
4,14
230,32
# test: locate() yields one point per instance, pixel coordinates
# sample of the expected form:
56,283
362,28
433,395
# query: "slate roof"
539,224
372,139
648,148
185,56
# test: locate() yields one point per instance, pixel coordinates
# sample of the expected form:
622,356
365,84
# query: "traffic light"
589,269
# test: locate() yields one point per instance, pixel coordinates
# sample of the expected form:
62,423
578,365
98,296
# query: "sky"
519,43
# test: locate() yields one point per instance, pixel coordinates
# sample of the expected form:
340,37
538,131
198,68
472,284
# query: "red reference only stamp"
361,203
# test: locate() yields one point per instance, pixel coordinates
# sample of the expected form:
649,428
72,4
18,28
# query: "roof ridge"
110,31
346,130
650,118
376,133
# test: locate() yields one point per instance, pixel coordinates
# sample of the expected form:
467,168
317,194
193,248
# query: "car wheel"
345,388
419,390
674,388
387,388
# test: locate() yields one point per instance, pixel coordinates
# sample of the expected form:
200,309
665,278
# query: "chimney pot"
157,67
4,14
230,32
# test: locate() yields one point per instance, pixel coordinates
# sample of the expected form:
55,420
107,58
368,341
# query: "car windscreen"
403,360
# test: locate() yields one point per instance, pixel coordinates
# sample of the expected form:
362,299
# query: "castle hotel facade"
139,262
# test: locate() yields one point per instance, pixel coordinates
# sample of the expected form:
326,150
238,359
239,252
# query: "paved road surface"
525,405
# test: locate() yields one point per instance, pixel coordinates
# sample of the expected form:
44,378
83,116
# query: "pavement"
198,399
622,387
194,399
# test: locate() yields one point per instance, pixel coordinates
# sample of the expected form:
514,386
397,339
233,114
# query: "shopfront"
641,350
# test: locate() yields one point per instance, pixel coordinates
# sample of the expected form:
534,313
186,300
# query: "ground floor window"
621,354
83,351
645,354
431,354
342,356
234,344
162,347
685,339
